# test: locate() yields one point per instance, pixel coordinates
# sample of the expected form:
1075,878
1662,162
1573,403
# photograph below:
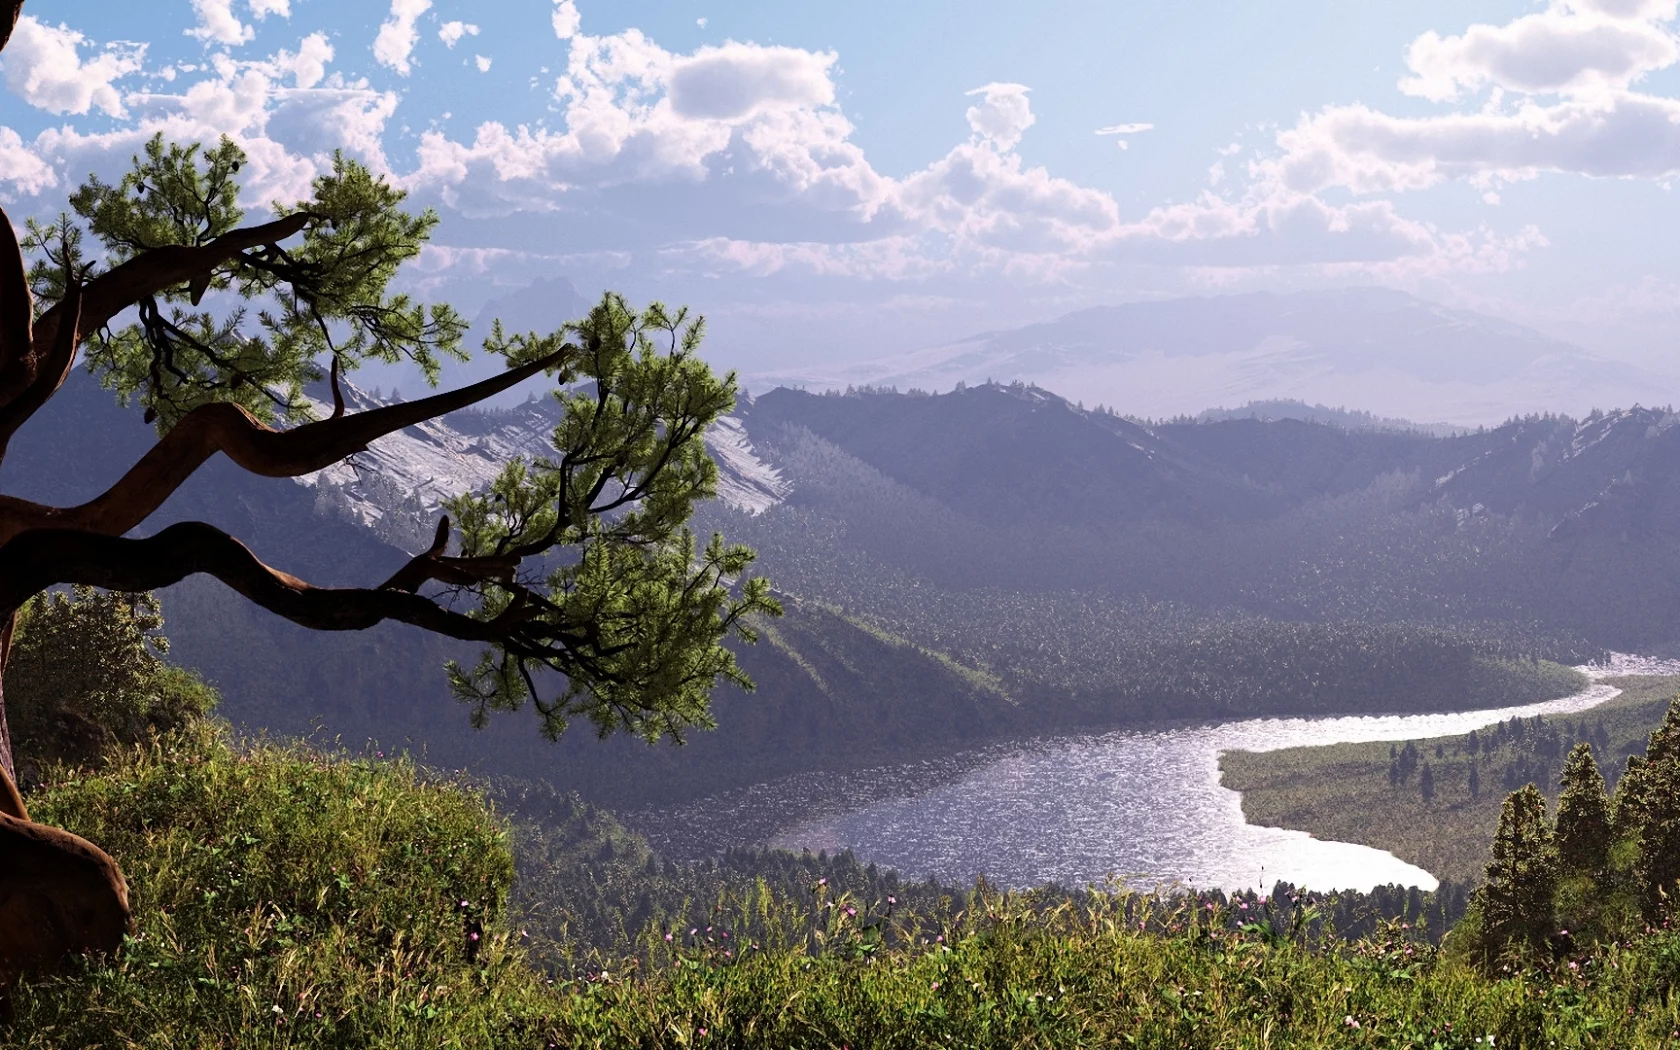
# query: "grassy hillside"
286,899
1343,791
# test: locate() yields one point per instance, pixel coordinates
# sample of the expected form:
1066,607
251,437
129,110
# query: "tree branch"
50,349
9,11
42,558
152,271
17,361
260,449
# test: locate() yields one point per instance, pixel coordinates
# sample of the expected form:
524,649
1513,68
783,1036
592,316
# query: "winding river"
1145,807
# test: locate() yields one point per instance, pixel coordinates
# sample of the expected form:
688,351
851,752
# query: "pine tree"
1473,743
1426,782
1517,900
1475,781
1659,813
1583,815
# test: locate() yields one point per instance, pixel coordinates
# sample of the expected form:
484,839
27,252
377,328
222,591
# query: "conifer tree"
577,576
1475,780
1583,815
1658,813
1516,901
1426,782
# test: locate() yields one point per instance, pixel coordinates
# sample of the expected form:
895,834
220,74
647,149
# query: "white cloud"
43,66
398,35
738,81
566,19
27,173
1561,99
452,32
739,143
1642,10
261,9
1553,51
218,24
309,65
1367,151
1002,115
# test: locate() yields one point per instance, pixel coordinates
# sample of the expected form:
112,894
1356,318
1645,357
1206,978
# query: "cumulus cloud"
43,66
261,9
452,32
1554,51
566,19
746,155
1002,115
1561,98
738,81
217,23
398,34
309,65
27,173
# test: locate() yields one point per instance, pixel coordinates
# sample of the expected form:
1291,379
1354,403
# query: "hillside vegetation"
1348,792
286,898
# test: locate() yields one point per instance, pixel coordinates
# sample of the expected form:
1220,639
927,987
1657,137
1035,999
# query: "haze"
838,185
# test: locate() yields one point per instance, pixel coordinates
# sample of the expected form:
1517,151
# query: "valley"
966,573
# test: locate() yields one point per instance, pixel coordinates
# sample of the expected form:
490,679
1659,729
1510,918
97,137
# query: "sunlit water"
1146,807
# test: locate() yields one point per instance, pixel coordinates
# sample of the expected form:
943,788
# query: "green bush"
288,898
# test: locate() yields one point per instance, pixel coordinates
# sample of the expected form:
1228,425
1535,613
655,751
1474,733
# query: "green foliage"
325,297
87,673
631,465
1343,791
289,898
1583,815
1515,903
1656,817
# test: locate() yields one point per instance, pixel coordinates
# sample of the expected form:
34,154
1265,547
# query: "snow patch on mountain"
397,487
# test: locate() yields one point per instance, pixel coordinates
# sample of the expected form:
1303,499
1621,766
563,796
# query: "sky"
830,182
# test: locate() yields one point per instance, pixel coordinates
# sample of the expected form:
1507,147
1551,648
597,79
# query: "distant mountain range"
1375,349
958,568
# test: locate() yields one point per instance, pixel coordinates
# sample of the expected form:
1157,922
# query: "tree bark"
9,12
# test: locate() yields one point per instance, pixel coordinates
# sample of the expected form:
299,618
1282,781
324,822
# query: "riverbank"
1343,791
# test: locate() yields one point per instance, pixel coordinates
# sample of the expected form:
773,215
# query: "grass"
291,899
286,898
1342,791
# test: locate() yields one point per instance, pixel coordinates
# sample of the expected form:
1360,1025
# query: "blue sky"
840,181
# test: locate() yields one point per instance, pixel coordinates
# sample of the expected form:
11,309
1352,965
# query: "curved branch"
52,344
42,558
152,271
260,449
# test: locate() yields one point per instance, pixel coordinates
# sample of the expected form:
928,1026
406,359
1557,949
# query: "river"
1145,807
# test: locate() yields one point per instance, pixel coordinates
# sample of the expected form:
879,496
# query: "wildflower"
936,986
1350,1022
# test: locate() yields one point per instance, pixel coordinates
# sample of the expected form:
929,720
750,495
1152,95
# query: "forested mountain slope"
965,568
